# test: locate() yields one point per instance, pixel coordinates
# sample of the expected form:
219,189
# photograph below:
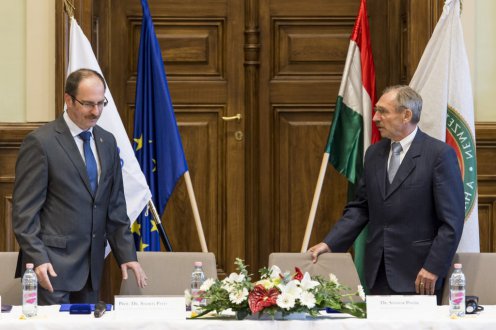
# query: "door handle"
238,117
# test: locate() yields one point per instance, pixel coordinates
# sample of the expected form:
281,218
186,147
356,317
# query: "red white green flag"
443,80
352,129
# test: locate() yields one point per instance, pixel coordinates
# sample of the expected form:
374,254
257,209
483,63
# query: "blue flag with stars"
157,142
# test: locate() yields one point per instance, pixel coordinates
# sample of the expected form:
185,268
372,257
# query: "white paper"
170,307
401,307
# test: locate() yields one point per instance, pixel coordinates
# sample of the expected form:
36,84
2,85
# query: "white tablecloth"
49,317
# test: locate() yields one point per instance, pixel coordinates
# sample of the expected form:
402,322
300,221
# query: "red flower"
260,298
299,275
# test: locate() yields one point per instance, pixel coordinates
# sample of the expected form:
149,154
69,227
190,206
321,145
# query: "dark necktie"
91,168
394,162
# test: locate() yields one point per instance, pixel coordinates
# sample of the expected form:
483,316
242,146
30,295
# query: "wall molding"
12,134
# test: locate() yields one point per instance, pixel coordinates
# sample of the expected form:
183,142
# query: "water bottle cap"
29,266
198,264
458,266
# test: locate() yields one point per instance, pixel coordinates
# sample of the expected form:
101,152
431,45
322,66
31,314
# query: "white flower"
307,283
333,278
307,299
235,277
237,297
228,286
187,297
292,288
230,283
275,272
361,293
207,284
286,301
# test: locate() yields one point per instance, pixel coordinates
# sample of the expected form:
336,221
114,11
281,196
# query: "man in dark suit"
69,200
410,196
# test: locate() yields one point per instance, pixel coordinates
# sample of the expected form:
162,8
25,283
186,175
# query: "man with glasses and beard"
69,201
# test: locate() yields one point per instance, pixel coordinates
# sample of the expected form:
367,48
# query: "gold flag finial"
69,8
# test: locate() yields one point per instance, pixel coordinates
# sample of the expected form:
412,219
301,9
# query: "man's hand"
139,273
42,272
425,282
317,250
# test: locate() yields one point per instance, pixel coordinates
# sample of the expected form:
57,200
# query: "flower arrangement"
278,292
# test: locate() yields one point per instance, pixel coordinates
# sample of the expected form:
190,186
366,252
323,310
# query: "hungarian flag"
352,129
443,80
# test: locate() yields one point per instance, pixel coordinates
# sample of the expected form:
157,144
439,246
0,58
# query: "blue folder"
67,307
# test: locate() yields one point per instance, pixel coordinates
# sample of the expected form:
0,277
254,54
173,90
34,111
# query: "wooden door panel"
203,143
302,133
11,137
314,8
190,48
487,223
310,48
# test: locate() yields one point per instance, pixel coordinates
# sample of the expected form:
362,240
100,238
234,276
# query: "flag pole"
315,202
161,230
196,214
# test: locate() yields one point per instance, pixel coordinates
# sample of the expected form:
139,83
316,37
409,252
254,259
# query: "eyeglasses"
90,105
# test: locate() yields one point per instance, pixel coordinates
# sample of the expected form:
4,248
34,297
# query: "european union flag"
158,146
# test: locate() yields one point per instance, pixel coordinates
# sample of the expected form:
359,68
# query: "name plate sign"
401,307
168,307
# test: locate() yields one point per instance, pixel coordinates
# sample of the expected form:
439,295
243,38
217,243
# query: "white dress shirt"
75,130
405,144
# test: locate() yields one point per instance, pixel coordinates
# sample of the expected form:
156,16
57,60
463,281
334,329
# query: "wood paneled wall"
486,178
279,64
11,137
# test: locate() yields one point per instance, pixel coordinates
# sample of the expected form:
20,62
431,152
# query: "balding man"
411,198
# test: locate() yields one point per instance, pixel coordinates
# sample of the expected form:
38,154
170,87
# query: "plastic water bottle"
197,279
457,292
29,292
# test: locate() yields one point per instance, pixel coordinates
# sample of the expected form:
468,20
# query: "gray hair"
407,98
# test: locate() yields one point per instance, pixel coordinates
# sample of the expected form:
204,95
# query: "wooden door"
305,44
202,47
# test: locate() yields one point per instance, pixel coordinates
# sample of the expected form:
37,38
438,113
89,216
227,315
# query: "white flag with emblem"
136,189
443,80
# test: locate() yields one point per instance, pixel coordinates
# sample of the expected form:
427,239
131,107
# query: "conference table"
49,317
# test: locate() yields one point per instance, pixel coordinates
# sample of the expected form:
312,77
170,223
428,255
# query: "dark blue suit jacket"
415,222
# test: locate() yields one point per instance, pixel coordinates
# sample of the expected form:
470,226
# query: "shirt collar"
406,142
75,129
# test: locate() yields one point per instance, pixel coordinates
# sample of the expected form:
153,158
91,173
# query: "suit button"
94,235
94,206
